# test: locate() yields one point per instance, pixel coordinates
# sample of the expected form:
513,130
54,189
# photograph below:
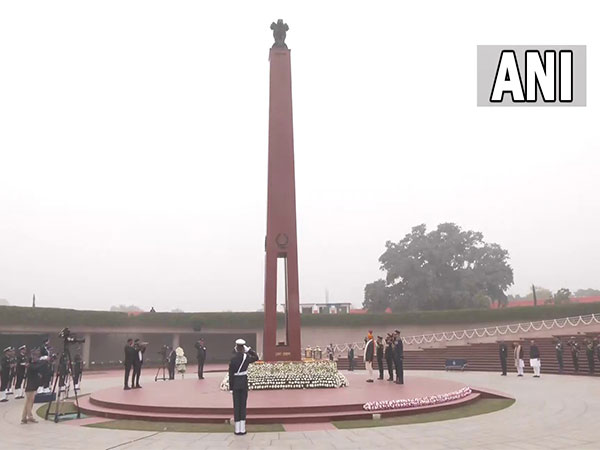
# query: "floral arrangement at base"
418,401
292,375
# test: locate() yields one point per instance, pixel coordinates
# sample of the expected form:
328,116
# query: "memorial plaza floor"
551,412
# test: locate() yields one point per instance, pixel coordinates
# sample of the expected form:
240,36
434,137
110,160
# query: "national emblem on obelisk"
279,32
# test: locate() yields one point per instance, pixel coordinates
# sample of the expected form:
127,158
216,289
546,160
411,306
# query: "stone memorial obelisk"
281,244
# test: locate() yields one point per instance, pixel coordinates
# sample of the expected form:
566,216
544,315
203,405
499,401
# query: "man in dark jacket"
503,355
129,361
399,357
201,356
559,354
138,362
389,356
238,382
379,353
35,375
369,354
172,360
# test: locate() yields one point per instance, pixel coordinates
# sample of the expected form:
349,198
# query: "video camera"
69,338
164,353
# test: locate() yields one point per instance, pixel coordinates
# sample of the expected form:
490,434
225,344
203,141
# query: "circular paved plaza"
549,413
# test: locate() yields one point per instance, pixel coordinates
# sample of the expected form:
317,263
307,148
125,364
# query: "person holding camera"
172,362
238,382
36,368
130,356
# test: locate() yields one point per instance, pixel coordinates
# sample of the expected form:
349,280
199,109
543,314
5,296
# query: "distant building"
325,308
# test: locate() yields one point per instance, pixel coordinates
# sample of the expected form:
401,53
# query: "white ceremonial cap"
240,342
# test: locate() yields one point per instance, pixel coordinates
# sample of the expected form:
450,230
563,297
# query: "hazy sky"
133,147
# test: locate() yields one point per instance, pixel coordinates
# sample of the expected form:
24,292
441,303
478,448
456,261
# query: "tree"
447,268
377,296
561,297
541,293
587,292
125,308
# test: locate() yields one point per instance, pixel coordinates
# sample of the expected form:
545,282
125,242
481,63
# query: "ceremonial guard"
574,353
379,353
238,382
518,355
140,349
21,367
389,356
503,356
36,368
590,350
559,354
399,357
201,356
350,357
534,359
13,371
5,372
369,354
130,356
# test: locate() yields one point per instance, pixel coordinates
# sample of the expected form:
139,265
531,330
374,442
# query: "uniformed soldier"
574,353
399,357
379,354
590,350
238,382
559,354
5,372
503,356
21,367
389,356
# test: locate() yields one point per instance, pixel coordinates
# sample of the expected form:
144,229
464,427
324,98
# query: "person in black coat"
172,360
5,372
389,356
21,366
559,354
399,357
36,369
503,356
201,356
238,382
379,353
130,355
369,355
138,362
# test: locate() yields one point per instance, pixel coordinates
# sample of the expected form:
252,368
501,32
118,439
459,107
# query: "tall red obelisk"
281,245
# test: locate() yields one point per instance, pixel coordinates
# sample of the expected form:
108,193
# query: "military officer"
238,382
399,357
21,366
503,356
5,372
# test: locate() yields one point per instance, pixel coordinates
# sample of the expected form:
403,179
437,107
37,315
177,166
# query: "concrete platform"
195,400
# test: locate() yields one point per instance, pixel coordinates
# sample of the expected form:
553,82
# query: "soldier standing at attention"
589,350
503,356
574,353
389,356
379,353
5,373
559,354
350,357
399,357
201,355
238,382
21,366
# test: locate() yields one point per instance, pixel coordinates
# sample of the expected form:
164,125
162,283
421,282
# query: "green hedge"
56,317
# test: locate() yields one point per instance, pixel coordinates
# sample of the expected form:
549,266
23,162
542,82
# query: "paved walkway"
552,412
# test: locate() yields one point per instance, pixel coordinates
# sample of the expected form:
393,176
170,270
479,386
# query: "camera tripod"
163,367
68,377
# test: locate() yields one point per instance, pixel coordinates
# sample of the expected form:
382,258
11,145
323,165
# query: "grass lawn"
143,425
482,406
66,408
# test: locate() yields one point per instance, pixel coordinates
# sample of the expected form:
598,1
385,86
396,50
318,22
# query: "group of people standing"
518,355
391,350
174,360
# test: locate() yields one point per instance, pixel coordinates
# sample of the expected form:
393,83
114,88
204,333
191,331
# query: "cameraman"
130,355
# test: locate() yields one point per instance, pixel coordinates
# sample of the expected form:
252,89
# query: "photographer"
129,361
238,382
36,368
172,361
140,349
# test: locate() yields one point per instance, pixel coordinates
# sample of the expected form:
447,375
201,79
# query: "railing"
499,330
